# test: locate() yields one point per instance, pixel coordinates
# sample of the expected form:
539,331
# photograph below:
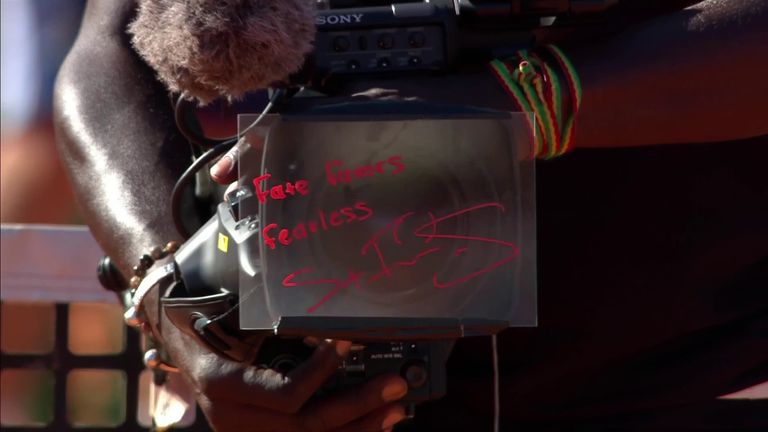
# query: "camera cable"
218,148
496,401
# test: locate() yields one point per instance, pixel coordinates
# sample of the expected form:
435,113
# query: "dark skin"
123,153
121,158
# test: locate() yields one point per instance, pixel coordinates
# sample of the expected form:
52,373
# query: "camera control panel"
381,50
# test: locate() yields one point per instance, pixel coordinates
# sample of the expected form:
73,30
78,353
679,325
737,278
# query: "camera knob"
417,39
386,41
415,374
341,43
109,276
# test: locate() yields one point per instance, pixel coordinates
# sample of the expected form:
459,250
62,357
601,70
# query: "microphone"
207,49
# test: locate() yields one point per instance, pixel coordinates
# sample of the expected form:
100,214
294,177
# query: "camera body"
420,364
389,38
381,39
206,284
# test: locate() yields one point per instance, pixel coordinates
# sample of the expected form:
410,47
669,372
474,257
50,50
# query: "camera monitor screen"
396,224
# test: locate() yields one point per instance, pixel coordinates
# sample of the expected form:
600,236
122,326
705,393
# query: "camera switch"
362,43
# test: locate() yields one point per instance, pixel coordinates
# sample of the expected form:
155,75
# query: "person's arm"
117,138
689,76
123,154
696,75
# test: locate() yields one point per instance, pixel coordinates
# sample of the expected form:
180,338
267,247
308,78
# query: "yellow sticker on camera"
223,242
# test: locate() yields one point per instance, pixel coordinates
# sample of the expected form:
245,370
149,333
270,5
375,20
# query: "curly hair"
222,48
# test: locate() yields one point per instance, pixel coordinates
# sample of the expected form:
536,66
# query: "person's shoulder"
108,17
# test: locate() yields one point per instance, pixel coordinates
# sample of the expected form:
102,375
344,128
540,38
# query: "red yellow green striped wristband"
535,87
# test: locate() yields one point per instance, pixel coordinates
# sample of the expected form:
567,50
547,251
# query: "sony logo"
338,19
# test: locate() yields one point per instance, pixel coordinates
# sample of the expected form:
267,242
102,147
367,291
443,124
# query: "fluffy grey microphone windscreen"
223,48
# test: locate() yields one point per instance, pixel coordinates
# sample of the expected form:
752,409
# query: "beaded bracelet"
140,285
534,86
147,260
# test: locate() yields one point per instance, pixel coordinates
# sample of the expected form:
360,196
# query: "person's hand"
240,397
243,397
224,170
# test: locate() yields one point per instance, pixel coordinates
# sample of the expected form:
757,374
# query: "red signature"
428,234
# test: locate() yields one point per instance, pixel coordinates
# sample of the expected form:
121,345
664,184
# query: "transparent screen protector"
406,225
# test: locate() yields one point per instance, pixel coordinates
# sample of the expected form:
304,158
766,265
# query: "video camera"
358,39
314,194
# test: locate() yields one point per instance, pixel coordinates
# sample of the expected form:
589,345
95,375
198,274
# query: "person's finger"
335,411
369,407
269,389
221,416
382,419
227,416
223,171
310,375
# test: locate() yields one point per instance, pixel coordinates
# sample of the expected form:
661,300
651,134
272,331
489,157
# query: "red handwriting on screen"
430,236
359,212
336,174
278,192
337,284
